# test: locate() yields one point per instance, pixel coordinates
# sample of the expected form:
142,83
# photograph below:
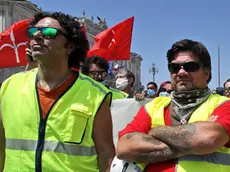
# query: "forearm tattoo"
179,137
158,153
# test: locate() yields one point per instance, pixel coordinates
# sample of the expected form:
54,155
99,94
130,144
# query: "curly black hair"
74,34
197,48
101,62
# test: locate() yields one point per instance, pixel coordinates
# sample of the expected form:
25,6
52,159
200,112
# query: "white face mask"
122,83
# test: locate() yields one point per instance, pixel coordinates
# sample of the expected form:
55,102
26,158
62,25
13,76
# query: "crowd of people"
56,115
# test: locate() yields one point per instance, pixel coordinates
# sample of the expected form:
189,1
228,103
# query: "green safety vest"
60,142
218,161
117,94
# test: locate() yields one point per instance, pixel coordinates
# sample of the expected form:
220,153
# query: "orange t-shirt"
47,98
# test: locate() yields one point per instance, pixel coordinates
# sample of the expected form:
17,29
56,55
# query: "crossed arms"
171,142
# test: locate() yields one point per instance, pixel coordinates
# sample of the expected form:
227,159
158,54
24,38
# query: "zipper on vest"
42,126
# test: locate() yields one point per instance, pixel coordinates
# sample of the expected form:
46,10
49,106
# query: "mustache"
182,78
38,44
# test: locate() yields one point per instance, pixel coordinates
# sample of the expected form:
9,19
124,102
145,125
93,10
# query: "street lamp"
153,70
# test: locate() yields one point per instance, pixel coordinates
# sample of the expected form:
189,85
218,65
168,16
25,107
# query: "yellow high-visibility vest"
60,142
218,161
117,94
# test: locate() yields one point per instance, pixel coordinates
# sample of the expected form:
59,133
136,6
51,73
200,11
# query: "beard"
183,84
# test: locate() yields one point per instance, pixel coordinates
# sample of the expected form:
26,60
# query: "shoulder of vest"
16,79
20,75
217,100
114,90
156,102
159,100
93,83
219,97
118,91
25,73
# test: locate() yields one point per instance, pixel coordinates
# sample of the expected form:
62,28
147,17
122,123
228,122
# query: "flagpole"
218,64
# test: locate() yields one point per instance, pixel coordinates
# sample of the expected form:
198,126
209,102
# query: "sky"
160,23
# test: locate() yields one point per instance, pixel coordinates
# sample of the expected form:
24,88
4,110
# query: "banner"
13,43
123,111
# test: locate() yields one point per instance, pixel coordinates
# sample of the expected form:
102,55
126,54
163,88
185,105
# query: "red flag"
115,42
13,43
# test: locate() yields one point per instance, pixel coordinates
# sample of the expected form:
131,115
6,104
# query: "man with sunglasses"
188,131
227,88
97,68
54,118
165,89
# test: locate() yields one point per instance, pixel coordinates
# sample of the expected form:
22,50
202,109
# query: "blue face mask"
151,92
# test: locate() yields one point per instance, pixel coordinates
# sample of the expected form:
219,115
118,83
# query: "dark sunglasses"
97,73
47,32
227,90
164,90
188,67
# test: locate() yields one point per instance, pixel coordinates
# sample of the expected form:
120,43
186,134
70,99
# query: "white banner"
123,111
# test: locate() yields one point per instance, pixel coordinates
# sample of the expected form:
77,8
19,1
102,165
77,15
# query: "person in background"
220,91
165,89
227,88
53,118
188,131
124,81
97,68
151,90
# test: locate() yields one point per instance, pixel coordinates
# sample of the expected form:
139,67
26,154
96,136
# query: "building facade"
10,12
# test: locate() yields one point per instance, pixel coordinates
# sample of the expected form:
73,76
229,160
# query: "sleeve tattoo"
154,151
178,137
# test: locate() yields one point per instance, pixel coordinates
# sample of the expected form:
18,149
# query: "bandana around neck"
184,103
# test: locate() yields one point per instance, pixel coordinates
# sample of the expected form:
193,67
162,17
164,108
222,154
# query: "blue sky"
158,24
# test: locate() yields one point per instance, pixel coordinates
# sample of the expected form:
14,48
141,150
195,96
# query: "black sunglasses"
164,90
97,73
47,32
188,67
227,90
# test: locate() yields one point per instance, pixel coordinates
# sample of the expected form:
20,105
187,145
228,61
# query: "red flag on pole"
13,43
115,42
